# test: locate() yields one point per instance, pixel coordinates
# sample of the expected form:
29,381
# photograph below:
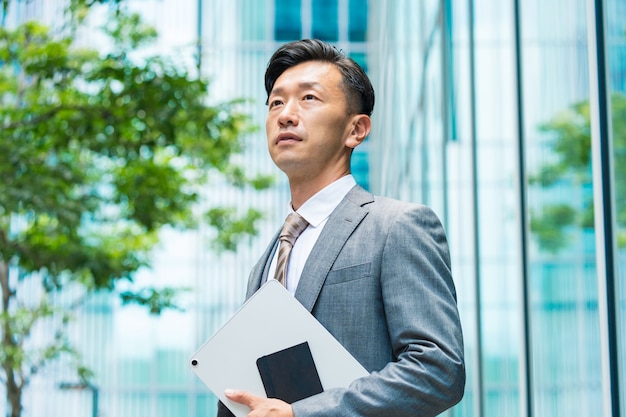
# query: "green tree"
98,153
570,140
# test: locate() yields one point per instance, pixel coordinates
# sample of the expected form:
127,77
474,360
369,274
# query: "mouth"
287,137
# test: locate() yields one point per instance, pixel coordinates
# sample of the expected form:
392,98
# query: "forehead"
311,74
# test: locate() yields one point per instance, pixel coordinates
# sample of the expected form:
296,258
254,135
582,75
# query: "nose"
288,114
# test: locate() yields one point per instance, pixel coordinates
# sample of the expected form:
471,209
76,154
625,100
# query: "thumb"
242,397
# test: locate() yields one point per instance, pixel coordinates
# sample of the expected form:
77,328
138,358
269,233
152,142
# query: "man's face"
308,128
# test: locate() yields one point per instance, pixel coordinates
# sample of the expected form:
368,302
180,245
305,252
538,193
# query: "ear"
360,125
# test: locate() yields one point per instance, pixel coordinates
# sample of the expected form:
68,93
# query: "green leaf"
99,152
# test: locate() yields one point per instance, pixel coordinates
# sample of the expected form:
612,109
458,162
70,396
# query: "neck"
301,191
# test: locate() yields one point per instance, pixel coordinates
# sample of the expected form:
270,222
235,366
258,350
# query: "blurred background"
507,117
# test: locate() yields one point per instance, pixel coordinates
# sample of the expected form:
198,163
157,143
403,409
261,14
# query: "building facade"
508,118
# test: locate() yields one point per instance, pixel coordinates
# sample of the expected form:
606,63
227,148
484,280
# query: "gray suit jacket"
379,280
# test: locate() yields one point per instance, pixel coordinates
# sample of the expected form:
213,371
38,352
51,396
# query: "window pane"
565,331
360,58
498,234
252,26
357,25
288,20
325,20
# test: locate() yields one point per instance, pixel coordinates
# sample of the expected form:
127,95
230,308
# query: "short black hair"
358,88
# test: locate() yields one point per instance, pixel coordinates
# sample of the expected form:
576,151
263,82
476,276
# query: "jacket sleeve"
427,375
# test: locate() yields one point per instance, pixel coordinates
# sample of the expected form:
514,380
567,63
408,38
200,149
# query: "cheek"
268,130
336,131
268,123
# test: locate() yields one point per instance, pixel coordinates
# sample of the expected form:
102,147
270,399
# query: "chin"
291,167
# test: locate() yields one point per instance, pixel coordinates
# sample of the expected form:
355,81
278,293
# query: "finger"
242,397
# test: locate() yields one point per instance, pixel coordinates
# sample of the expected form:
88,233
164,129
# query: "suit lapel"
341,223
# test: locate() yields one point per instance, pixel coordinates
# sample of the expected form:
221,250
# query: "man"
374,271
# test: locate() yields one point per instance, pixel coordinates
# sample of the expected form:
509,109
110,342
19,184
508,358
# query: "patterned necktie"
294,225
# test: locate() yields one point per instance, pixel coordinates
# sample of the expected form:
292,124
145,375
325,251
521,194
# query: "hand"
259,406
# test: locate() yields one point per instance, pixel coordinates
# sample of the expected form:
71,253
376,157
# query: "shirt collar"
317,208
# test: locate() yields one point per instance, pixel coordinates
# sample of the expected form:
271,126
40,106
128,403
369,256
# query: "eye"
275,103
309,97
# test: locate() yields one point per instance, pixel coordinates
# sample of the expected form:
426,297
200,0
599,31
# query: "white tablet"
269,321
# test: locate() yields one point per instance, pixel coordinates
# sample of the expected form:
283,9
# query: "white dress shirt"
316,211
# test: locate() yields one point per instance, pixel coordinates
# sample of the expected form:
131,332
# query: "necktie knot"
294,225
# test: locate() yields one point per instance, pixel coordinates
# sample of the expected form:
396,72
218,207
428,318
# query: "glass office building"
508,118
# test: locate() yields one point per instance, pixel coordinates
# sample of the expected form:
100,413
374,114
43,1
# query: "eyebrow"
304,85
